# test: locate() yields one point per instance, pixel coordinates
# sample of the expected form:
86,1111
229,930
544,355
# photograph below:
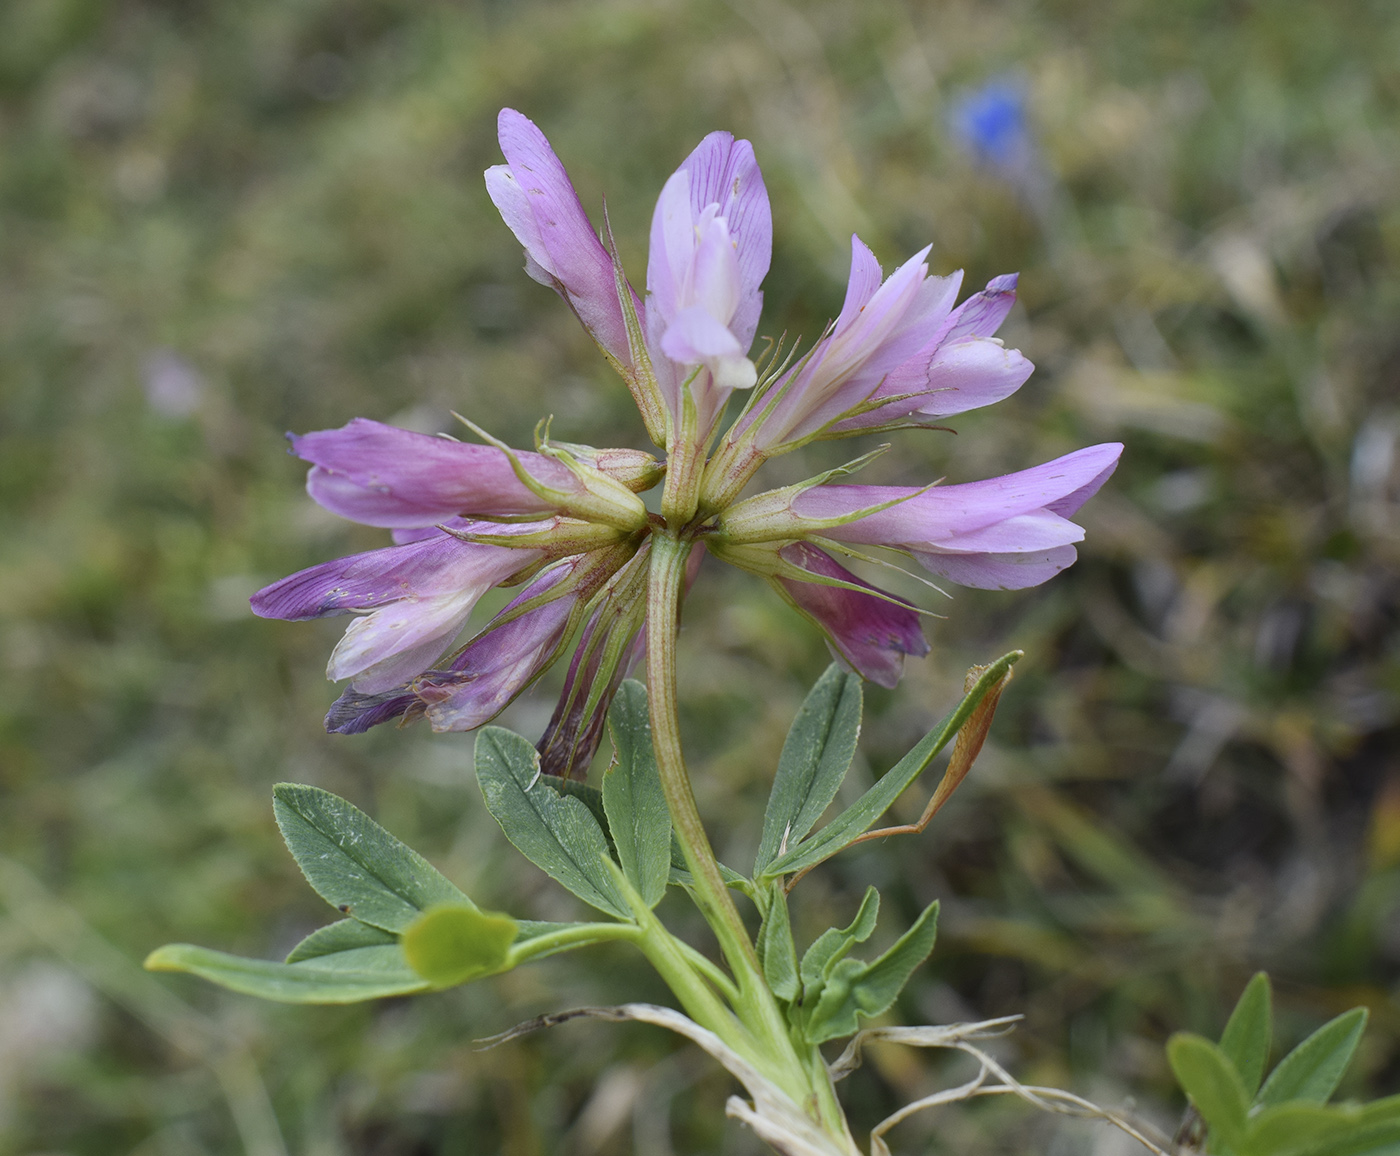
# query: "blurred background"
226,220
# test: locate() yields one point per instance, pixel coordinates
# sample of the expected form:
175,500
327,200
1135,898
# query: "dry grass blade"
959,1037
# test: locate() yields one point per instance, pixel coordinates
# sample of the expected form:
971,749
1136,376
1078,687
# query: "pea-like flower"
566,523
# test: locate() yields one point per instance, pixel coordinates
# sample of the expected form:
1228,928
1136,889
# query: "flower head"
565,524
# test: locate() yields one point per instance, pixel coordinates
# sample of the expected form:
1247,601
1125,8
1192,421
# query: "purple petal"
384,476
537,200
364,581
501,661
999,571
509,654
936,515
354,713
711,243
695,337
723,171
864,280
971,374
672,247
385,649
981,314
880,327
1020,533
418,597
957,378
869,632
876,332
404,536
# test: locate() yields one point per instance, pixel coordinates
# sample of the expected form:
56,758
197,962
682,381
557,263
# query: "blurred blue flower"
990,122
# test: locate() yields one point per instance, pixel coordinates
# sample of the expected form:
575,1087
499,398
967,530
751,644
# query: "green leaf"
1206,1074
853,988
343,935
775,947
346,977
1386,1109
831,945
1296,1128
1312,1070
816,756
1376,1132
353,863
452,944
587,794
861,815
557,834
1249,1032
681,877
633,798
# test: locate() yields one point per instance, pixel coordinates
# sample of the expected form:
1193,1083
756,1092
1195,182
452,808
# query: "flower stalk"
801,1072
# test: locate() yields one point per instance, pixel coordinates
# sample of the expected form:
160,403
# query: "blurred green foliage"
225,220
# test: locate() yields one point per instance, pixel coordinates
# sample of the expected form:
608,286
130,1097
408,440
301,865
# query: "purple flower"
1004,533
562,250
990,121
711,243
384,476
961,367
898,355
880,326
869,629
514,649
414,600
565,522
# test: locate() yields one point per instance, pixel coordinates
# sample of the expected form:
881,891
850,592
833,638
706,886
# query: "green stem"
803,1076
668,558
710,970
573,935
664,952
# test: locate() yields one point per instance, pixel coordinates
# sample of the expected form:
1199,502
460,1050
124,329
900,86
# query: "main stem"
802,1076
668,558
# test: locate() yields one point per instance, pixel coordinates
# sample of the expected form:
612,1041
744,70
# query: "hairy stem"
803,1076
